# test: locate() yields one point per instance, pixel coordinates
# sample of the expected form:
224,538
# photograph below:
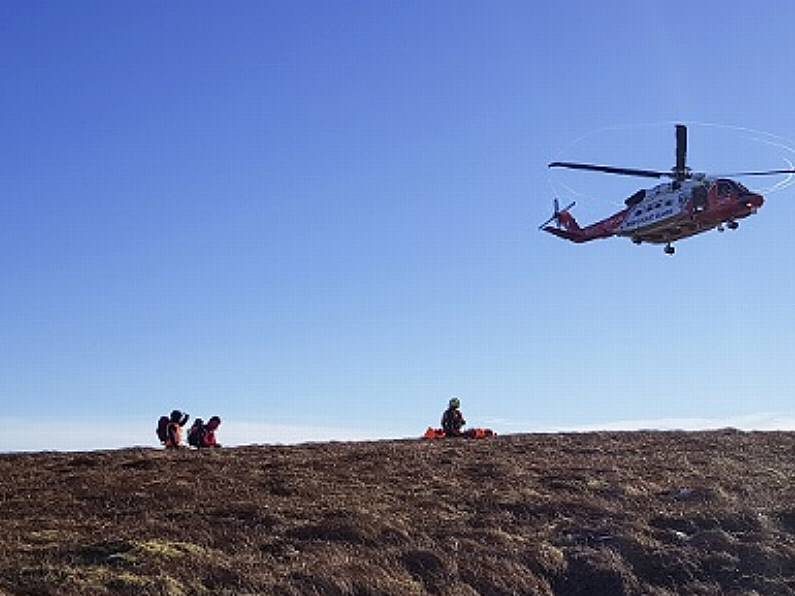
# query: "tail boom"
572,231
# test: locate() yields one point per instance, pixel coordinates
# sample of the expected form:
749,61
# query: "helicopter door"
699,198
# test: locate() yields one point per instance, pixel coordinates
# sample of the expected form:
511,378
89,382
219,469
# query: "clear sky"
319,219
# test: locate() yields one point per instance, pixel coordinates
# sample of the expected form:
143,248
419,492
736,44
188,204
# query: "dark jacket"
452,421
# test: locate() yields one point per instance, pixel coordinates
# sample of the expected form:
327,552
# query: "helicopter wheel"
636,241
732,225
669,250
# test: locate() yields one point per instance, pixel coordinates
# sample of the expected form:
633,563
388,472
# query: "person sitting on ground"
453,419
174,429
208,440
196,432
203,435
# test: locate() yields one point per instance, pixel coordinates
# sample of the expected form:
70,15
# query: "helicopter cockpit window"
635,198
724,188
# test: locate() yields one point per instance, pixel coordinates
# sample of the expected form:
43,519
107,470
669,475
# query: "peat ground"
595,513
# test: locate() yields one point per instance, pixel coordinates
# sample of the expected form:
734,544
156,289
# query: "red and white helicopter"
691,203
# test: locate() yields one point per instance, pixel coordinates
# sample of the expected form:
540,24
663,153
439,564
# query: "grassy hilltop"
597,513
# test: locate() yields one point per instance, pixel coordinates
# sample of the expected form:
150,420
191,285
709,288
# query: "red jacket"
208,440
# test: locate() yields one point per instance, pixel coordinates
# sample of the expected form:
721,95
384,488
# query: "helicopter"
691,203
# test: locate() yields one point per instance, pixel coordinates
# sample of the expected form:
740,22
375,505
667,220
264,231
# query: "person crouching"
203,435
453,419
209,440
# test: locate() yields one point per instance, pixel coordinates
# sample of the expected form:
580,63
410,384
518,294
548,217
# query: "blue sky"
319,220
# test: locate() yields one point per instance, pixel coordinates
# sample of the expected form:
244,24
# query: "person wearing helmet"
453,419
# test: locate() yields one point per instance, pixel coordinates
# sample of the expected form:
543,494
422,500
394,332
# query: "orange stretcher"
472,433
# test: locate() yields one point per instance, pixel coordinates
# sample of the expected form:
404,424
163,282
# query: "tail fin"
568,222
565,224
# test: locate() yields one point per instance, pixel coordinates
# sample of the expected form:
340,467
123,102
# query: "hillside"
596,513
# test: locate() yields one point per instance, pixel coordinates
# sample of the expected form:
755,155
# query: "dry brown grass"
596,513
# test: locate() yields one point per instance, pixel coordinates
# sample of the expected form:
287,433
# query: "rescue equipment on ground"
472,433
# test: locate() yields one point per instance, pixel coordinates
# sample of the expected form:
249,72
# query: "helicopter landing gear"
732,225
669,249
720,227
636,241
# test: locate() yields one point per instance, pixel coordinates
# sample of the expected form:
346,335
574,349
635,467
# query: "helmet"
455,402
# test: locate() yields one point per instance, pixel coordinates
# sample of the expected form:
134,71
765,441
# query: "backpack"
196,433
162,429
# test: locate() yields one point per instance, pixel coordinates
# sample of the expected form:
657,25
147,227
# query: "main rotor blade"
611,169
767,173
681,151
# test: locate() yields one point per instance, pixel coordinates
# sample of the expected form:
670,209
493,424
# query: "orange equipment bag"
434,433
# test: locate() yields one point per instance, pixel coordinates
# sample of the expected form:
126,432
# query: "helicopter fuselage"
669,212
676,210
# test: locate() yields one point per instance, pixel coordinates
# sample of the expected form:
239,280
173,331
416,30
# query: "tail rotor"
556,214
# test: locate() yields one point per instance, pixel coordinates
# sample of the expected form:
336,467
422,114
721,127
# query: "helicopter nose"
752,201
